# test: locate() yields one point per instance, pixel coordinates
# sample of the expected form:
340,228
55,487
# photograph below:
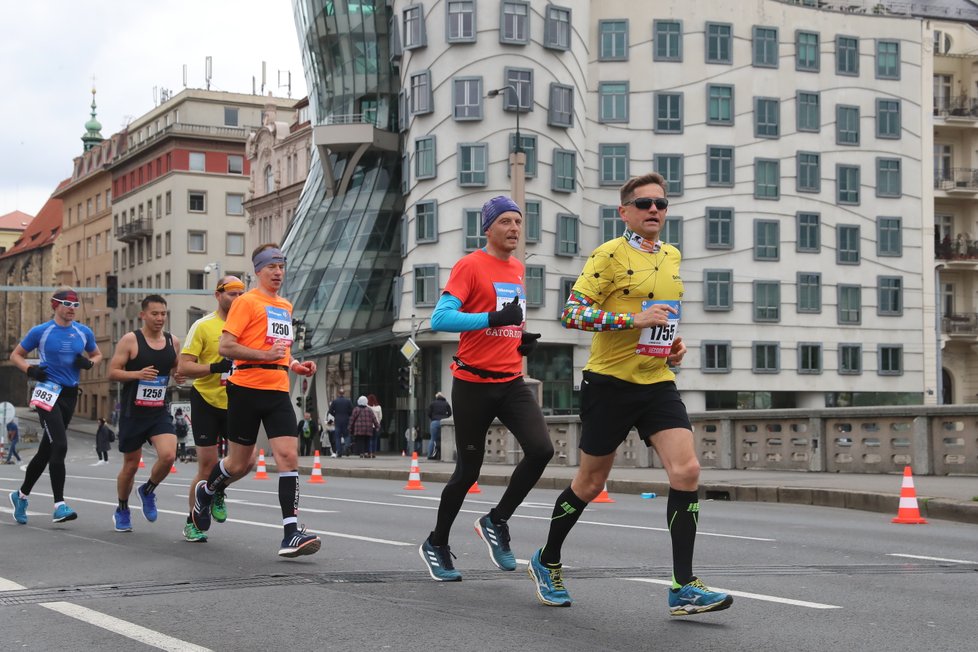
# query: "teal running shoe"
218,510
20,507
192,534
497,540
123,520
64,513
549,582
148,501
696,598
438,559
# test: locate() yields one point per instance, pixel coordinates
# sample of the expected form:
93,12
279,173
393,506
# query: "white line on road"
744,594
8,585
122,627
952,561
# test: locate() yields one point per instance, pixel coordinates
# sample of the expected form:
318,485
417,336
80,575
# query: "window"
766,357
613,101
767,117
720,166
566,285
847,125
472,159
402,109
719,43
196,201
667,37
890,299
765,47
564,171
159,246
719,228
475,238
887,59
460,21
809,358
425,285
269,179
672,231
230,116
613,40
850,359
767,240
670,166
809,292
197,242
848,244
561,112
612,226
809,175
514,23
890,360
668,113
767,178
235,164
767,300
166,240
405,173
424,158
467,98
806,51
719,104
531,221
809,115
426,221
850,304
888,123
421,93
234,244
568,228
557,28
888,178
889,236
535,285
529,144
168,202
414,31
612,164
522,80
234,204
195,281
197,161
718,289
716,357
848,184
847,55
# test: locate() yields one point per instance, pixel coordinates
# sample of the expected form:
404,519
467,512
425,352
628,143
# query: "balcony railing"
961,106
141,228
960,323
961,248
957,179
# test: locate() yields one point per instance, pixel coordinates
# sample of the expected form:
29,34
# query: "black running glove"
81,362
221,367
510,315
528,343
38,374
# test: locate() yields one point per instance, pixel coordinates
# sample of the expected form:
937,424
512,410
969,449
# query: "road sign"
7,413
410,349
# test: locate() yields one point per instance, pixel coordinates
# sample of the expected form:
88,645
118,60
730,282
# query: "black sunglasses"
645,203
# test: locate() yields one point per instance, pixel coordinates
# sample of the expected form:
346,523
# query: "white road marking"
10,585
118,626
952,561
744,594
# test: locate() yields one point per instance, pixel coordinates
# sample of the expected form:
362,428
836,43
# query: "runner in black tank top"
164,361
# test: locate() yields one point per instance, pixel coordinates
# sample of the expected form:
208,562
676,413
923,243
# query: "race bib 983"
45,395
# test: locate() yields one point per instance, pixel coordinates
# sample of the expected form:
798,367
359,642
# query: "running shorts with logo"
248,408
210,423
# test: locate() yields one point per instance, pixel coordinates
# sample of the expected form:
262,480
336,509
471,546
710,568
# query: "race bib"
45,395
224,378
656,341
151,393
279,325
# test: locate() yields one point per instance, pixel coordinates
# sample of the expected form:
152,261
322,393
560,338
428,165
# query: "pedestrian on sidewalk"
341,408
484,300
13,436
65,348
362,426
629,296
308,431
438,409
326,436
374,405
103,440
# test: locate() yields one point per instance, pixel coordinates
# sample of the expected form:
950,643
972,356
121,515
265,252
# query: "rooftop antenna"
288,81
263,77
208,69
184,75
155,96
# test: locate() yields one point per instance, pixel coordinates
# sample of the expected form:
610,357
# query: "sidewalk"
942,497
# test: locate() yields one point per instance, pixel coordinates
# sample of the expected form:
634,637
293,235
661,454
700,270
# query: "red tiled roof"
43,229
16,221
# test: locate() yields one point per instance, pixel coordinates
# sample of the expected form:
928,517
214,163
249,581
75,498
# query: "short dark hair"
629,186
151,298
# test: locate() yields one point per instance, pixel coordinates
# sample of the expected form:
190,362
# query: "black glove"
38,374
81,362
221,367
528,343
510,315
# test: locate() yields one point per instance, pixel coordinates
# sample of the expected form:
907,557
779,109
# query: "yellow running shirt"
202,341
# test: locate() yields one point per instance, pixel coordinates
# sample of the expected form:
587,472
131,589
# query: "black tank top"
142,397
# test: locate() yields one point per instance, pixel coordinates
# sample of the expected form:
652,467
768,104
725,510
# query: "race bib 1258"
151,393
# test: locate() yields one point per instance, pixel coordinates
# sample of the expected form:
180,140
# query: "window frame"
845,352
763,164
531,272
227,243
759,46
449,21
420,155
558,182
723,223
808,176
845,292
724,43
567,248
623,36
617,102
421,236
843,128
714,285
808,284
891,126
713,157
671,39
846,187
430,277
478,106
705,356
885,178
755,350
764,109
532,221
615,159
227,207
560,116
412,39
806,369
803,65
884,351
886,74
762,231
657,121
530,152
804,111
474,182
515,39
761,289
720,102
889,300
889,237
663,164
846,71
203,196
555,30
423,104
191,233
844,233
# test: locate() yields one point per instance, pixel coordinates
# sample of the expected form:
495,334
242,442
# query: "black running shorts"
138,430
209,423
249,408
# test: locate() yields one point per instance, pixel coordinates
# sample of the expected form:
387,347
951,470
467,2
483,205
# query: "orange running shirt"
483,283
257,320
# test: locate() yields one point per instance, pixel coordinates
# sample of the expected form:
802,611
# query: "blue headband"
496,207
266,257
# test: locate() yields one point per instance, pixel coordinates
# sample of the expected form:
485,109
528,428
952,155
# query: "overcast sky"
51,49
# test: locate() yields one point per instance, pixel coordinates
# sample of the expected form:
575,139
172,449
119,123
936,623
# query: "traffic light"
112,291
307,338
298,401
404,378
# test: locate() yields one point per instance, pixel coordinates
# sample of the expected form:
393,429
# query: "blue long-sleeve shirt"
449,318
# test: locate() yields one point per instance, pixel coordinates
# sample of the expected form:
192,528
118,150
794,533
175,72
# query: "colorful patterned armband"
580,313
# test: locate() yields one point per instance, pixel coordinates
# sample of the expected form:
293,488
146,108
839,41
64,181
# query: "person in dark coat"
342,409
362,426
103,440
438,409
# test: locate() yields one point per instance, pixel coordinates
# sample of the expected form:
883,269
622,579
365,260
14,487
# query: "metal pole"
938,309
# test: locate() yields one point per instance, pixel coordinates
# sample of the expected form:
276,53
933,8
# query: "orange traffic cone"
317,471
261,473
474,489
173,468
142,464
908,512
414,479
603,497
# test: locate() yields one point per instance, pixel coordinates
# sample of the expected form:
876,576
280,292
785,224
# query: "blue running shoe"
549,582
497,540
123,520
439,562
201,514
696,598
299,543
148,501
64,513
20,507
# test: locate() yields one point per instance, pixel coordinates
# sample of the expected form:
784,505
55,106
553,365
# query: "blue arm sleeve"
448,318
